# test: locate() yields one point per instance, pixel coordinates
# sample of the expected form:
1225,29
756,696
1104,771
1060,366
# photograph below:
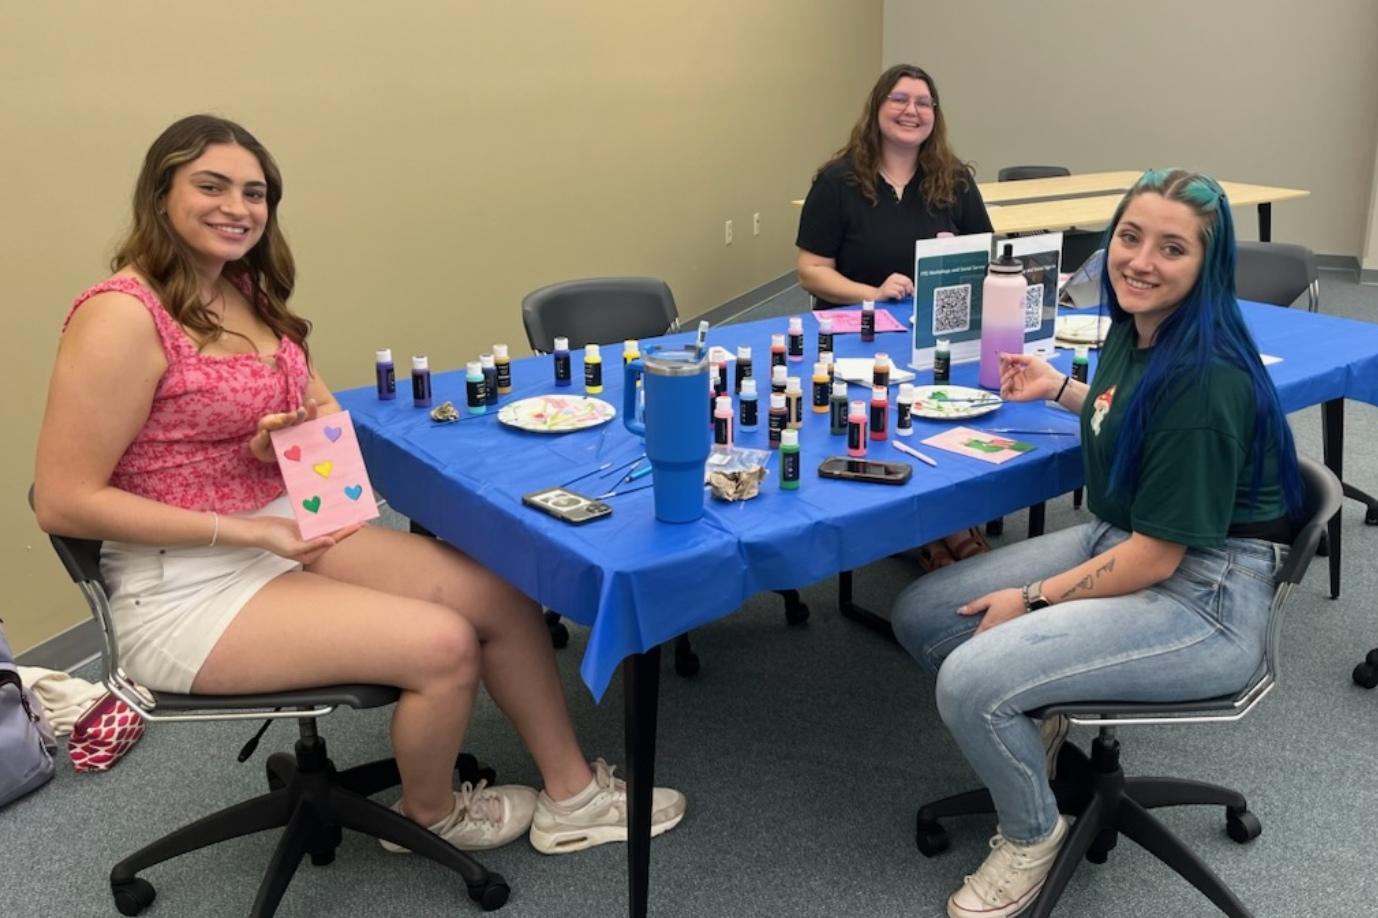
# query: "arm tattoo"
1085,584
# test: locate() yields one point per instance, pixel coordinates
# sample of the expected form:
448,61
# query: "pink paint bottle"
856,430
722,421
1002,315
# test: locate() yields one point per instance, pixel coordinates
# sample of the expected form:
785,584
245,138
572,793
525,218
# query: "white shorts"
171,605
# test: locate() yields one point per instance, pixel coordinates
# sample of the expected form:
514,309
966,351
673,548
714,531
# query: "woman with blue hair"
1191,475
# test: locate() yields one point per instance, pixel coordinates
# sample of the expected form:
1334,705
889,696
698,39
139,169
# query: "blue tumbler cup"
675,426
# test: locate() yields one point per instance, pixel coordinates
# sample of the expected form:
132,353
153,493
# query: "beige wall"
441,159
1264,91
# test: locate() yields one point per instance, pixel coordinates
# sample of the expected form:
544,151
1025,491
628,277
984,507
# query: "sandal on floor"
934,555
966,544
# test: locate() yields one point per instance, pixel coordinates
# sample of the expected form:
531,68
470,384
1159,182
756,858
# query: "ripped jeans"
1198,634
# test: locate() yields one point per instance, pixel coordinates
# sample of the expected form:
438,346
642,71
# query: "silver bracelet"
215,534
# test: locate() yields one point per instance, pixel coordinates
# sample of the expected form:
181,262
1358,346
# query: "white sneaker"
484,817
598,814
1009,880
1053,730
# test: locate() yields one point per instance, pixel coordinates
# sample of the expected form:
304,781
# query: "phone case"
906,471
566,505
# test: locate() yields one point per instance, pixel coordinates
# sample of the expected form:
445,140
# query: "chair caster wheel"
1372,657
686,663
1366,675
1371,517
1243,826
492,893
796,613
930,838
133,896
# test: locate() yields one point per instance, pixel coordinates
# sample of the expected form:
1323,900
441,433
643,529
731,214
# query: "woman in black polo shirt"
1164,595
896,181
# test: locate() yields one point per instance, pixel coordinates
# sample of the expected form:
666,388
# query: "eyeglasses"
901,101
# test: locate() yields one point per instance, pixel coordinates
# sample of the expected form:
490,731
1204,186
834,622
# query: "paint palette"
556,413
949,403
325,475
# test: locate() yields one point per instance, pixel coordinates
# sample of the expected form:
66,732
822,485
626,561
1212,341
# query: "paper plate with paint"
1082,329
556,413
949,403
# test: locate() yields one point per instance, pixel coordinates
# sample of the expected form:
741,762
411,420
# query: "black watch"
1034,598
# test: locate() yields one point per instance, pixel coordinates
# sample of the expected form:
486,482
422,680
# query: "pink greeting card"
977,444
848,321
325,475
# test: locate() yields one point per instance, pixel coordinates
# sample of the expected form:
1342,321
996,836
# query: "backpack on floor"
25,763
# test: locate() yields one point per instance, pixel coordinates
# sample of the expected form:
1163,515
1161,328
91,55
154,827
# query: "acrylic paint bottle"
825,335
561,361
822,388
720,376
794,402
789,460
743,366
796,339
868,321
475,387
880,370
420,382
1002,314
942,362
837,409
593,370
778,378
748,406
775,420
712,396
829,364
904,411
490,378
777,350
386,374
630,351
504,368
1081,363
856,429
722,421
880,412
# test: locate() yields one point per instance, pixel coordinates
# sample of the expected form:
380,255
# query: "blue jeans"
1198,634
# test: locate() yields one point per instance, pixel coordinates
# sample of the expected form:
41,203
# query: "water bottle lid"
561,344
789,437
486,360
1007,263
383,355
590,350
499,350
474,368
420,363
749,386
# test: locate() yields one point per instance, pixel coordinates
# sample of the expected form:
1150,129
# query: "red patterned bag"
103,734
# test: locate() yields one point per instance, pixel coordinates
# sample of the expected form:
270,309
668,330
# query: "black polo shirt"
870,242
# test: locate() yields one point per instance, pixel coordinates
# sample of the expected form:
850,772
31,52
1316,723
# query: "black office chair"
1077,245
1020,173
609,310
1094,789
307,797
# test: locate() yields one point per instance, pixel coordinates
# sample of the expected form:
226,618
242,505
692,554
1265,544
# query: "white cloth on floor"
64,697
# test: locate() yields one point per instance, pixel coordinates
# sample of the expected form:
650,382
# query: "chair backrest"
1277,273
1019,173
598,310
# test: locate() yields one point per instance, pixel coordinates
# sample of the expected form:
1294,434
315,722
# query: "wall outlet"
727,233
756,224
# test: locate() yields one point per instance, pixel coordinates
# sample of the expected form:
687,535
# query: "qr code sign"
951,309
1033,307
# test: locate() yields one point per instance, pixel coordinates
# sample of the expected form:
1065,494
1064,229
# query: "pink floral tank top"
193,450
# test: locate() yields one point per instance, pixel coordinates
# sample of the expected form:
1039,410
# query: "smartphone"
895,473
567,506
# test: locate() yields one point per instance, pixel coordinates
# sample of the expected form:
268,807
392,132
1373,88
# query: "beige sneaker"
1053,730
484,817
1009,880
598,814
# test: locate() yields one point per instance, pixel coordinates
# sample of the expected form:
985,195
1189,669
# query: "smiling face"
1154,260
218,204
906,114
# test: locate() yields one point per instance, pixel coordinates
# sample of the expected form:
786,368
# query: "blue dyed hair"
1207,327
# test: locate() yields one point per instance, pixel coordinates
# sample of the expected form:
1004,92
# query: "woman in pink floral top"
169,377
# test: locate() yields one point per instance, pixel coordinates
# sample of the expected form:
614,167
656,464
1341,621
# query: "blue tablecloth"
637,582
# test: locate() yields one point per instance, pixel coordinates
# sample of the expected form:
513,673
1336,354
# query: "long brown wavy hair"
266,273
943,172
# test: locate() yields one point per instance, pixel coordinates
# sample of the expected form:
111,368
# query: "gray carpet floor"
804,752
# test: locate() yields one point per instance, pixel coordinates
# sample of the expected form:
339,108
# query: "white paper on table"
861,370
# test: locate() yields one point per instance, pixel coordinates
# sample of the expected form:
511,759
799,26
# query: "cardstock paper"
977,444
848,321
325,475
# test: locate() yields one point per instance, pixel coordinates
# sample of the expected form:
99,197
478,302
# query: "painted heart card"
325,475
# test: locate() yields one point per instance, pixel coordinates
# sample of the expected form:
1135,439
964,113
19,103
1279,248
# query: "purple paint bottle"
420,382
386,374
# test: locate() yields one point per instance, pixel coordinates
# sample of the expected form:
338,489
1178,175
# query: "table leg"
1332,449
1265,222
858,614
641,688
1037,519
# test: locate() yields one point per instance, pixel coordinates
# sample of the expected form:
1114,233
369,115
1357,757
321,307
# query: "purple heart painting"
332,433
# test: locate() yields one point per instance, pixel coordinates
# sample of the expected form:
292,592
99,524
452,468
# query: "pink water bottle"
1002,314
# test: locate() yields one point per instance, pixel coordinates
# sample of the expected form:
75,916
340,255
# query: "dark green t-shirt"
1195,474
